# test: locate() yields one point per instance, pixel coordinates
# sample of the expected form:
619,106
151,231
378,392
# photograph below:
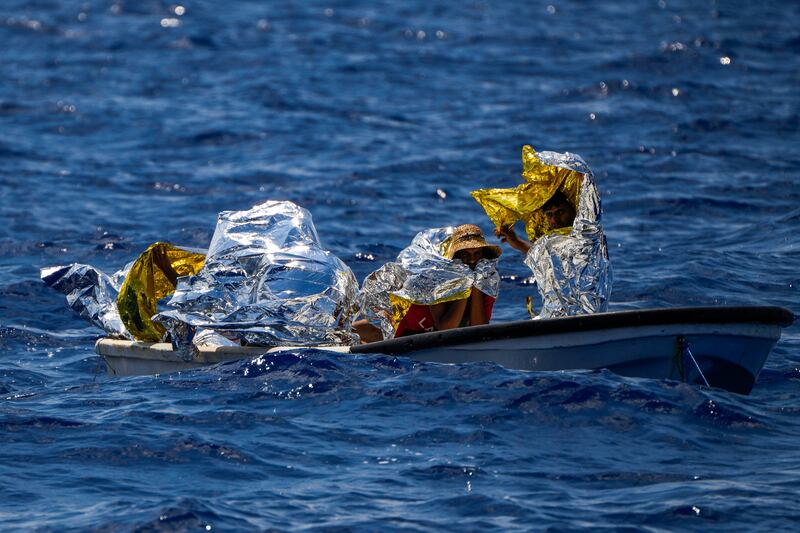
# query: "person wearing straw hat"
428,287
468,246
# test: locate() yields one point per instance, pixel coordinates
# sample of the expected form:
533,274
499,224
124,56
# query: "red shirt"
419,319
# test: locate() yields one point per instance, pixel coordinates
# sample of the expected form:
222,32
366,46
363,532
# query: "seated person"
466,245
559,213
559,204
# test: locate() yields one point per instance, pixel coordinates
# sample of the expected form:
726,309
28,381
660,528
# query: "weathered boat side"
725,347
619,319
127,358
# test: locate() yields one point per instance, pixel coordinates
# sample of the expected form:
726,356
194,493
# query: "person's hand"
504,232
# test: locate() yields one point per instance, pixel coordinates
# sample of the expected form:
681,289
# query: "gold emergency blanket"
570,265
505,207
152,277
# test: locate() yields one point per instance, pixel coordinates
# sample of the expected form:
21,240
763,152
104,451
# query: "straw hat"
470,236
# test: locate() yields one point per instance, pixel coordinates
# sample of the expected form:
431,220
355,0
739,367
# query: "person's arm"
448,315
508,235
477,311
367,332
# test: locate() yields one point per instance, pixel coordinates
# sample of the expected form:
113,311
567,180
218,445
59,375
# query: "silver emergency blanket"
573,272
91,294
423,275
266,281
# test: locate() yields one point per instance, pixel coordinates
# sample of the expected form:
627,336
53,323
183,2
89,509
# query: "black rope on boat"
684,344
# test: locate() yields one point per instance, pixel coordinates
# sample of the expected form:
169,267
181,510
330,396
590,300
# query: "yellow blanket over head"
505,207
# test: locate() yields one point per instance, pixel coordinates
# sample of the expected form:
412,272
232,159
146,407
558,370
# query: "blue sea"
124,122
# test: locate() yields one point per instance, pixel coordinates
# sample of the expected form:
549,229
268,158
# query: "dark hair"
556,200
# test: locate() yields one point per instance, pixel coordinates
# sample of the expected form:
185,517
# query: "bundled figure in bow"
560,207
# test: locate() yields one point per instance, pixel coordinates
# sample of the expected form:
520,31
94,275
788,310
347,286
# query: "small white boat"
723,347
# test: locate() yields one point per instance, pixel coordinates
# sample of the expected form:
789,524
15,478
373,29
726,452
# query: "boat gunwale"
778,316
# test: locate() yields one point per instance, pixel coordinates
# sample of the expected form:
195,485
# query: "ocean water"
123,123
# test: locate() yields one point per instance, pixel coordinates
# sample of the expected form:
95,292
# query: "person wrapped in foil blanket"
122,304
444,272
266,280
569,260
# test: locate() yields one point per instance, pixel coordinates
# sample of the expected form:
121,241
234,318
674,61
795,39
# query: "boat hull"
722,347
129,358
729,356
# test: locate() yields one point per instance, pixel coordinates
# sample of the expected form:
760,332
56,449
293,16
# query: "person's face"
470,256
560,216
